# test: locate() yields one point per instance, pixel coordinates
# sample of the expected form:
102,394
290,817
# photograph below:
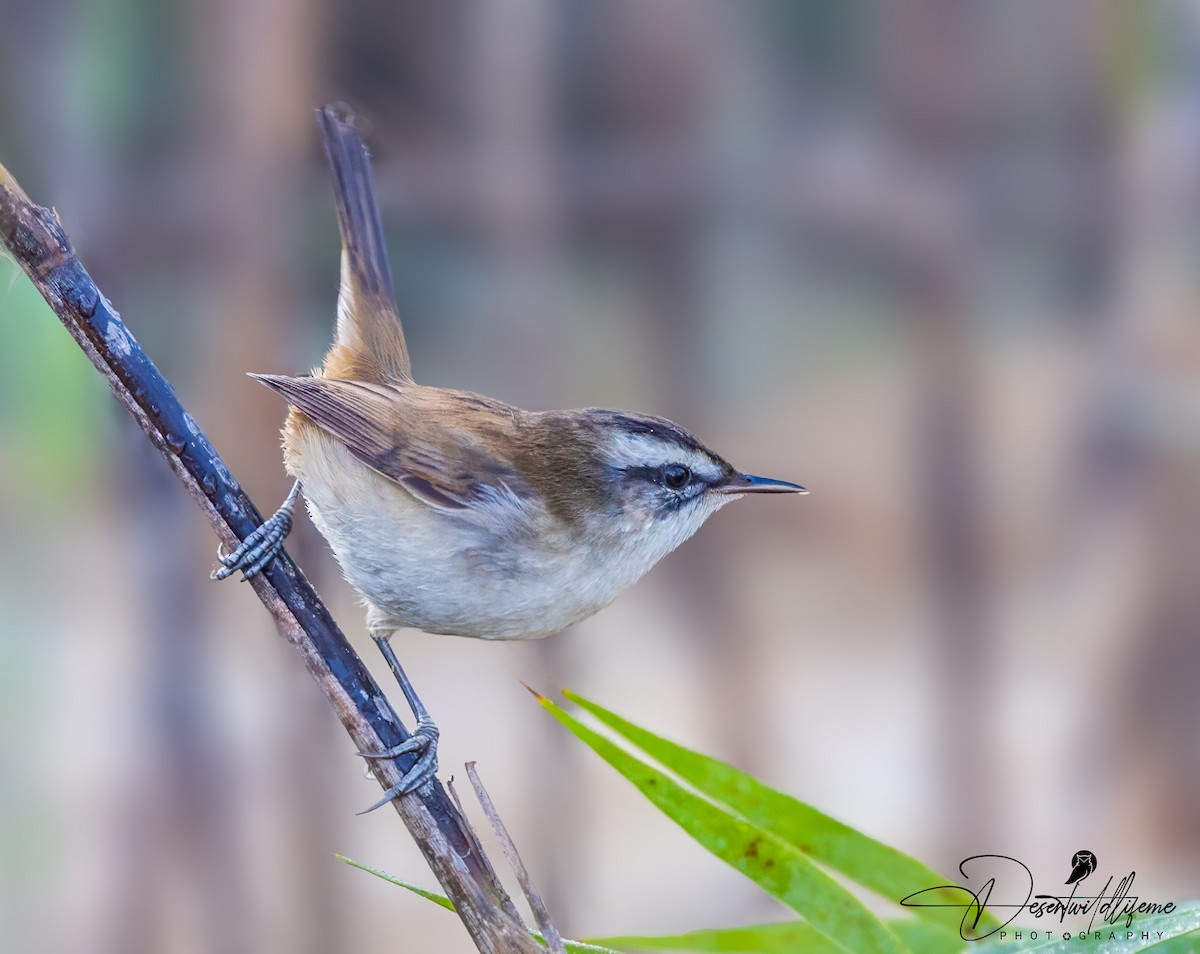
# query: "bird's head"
644,483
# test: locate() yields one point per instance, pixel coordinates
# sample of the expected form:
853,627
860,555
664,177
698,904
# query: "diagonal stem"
554,941
36,240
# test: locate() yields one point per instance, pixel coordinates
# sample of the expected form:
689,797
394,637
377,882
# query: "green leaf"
886,871
777,867
1180,935
785,938
573,947
760,939
433,896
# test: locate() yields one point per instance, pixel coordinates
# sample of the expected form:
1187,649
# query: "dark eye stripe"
641,472
659,475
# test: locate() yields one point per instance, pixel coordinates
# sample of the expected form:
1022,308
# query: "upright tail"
369,344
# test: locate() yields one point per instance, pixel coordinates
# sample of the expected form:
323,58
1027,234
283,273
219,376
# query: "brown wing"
413,441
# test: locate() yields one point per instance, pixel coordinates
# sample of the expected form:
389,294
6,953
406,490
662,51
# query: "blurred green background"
937,261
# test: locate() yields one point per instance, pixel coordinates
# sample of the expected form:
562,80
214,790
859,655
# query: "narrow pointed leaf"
783,938
761,939
438,899
573,947
775,866
1180,934
886,871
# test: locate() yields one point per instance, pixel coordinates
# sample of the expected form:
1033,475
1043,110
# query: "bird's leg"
262,545
424,738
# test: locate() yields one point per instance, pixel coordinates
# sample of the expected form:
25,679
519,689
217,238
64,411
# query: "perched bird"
455,513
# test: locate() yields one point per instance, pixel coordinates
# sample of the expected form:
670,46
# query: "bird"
455,513
1083,863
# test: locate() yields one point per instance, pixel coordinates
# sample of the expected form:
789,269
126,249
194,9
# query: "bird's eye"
676,476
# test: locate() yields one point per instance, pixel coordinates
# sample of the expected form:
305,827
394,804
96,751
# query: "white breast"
432,570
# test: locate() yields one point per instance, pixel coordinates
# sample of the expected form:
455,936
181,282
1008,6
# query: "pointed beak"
749,484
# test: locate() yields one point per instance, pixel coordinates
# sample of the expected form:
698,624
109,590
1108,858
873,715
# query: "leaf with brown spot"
777,867
889,873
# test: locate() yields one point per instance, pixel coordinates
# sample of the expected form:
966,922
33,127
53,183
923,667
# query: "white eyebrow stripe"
644,450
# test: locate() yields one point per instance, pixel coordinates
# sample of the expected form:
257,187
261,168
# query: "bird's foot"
423,741
262,545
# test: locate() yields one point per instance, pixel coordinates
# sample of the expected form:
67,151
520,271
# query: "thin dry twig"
36,240
554,941
470,829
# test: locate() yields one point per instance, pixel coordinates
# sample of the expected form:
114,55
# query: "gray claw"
262,545
424,740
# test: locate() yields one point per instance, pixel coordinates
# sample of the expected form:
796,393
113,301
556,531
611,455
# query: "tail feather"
370,338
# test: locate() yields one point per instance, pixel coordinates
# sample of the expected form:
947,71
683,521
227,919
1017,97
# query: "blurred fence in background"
937,261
